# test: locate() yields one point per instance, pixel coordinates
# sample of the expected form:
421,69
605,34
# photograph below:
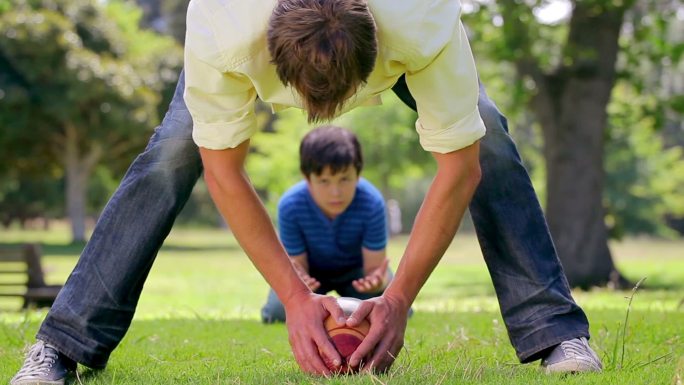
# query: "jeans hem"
62,341
549,339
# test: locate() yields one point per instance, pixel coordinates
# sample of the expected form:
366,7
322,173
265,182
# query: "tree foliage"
645,179
648,97
80,86
392,153
568,71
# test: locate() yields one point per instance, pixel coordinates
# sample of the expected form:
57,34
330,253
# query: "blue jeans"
94,309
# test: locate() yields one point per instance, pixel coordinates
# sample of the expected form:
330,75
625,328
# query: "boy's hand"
310,281
374,282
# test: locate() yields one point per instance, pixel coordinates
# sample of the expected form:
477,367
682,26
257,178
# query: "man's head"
330,159
325,49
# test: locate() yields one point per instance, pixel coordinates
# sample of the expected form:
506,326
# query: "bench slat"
25,262
11,257
13,272
42,292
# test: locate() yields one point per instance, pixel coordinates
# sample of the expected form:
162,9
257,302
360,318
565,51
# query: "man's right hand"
310,344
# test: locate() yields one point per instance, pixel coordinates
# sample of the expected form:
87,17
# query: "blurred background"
593,91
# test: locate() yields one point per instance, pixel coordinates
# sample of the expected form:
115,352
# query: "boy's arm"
301,265
373,250
239,204
458,174
373,259
375,271
301,261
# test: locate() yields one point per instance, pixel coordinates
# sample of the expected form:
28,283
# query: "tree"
566,72
24,198
645,179
652,74
174,12
570,103
81,83
273,163
165,16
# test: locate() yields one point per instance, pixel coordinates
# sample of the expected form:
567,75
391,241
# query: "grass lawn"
197,321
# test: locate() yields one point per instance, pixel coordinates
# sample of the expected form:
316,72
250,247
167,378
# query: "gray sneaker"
572,356
43,366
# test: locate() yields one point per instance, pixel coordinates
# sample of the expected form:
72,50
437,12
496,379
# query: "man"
332,224
421,53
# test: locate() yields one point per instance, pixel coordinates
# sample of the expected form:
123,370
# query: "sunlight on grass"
205,272
198,319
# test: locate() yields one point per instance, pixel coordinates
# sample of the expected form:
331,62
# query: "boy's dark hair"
325,49
329,146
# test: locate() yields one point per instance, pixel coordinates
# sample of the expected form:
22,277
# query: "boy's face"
333,193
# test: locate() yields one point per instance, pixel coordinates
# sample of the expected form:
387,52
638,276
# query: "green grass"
197,321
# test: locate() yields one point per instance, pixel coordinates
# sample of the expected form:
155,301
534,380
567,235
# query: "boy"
332,224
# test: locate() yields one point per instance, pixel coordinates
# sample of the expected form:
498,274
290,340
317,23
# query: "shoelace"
39,361
579,348
574,347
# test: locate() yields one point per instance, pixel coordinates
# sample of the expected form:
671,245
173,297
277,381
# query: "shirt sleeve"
375,232
221,102
446,91
290,233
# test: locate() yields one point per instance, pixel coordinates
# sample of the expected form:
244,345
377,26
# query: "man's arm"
239,204
458,174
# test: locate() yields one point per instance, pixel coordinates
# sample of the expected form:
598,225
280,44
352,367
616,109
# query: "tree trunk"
575,179
572,107
77,171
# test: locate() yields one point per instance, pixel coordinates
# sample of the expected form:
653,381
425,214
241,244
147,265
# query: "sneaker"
43,366
572,356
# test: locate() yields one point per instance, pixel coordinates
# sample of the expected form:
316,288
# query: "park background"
594,94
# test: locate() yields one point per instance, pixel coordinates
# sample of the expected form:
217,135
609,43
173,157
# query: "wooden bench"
21,275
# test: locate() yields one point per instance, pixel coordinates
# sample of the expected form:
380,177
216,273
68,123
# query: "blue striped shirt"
332,244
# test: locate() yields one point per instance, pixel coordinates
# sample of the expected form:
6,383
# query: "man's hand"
385,338
374,282
239,204
311,347
310,281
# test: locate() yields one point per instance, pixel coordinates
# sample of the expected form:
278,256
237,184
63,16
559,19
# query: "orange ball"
346,339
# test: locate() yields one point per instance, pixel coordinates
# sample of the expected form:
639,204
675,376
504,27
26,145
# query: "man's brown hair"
325,49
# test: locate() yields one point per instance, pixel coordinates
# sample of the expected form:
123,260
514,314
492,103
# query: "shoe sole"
38,382
571,366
